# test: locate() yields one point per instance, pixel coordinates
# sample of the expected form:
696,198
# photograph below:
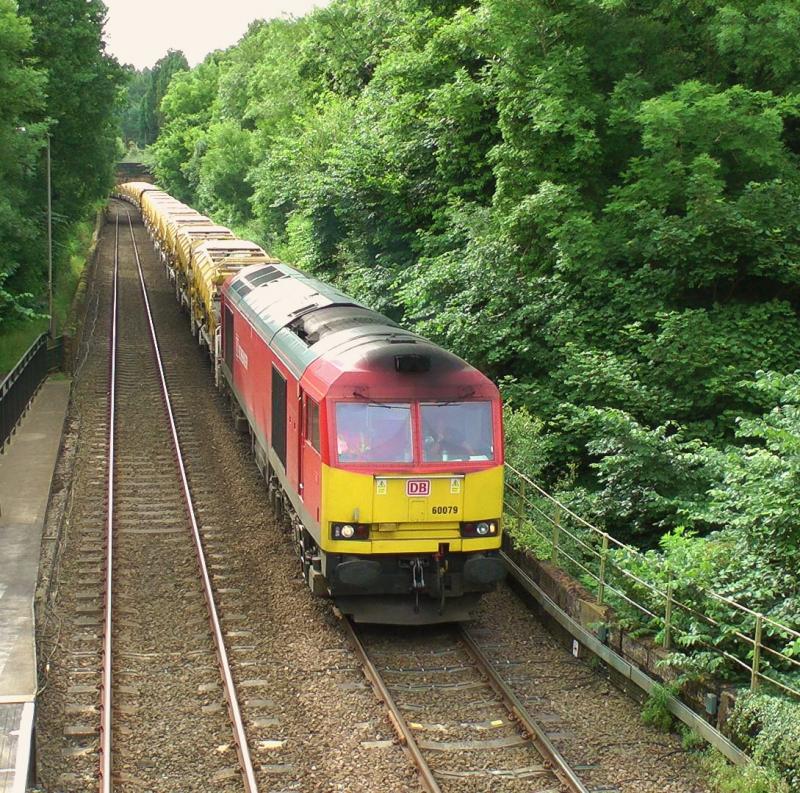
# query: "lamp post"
51,326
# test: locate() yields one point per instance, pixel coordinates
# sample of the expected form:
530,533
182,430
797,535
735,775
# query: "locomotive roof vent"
264,275
314,325
412,364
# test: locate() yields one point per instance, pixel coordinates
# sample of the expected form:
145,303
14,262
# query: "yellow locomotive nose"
402,521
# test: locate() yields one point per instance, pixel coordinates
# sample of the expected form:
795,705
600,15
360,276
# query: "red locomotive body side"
253,365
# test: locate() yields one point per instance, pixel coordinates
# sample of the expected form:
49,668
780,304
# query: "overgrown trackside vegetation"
597,202
55,78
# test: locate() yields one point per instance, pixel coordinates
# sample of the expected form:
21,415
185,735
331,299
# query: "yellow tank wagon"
171,224
133,191
168,215
211,263
187,240
154,202
176,223
190,237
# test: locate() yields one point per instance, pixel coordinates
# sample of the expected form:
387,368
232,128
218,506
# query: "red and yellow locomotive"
386,450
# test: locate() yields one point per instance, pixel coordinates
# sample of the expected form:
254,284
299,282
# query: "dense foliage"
56,79
595,201
769,730
21,95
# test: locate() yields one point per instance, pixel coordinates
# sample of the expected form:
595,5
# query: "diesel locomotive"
385,450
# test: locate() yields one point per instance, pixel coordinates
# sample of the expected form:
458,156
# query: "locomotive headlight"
481,528
349,531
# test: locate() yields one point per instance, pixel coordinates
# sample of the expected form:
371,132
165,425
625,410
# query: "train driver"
373,433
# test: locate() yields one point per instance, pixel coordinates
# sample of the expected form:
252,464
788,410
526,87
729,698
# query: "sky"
141,31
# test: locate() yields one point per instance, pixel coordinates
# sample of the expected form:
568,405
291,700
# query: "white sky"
141,31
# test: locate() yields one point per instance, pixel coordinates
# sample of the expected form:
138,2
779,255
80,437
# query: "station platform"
26,473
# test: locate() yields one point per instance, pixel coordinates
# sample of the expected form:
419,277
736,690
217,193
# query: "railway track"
161,630
310,717
474,733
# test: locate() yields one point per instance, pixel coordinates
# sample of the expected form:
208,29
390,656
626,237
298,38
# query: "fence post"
756,652
668,615
601,578
556,536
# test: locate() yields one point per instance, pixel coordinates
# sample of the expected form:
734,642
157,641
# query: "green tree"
82,85
156,84
21,141
130,114
596,200
187,108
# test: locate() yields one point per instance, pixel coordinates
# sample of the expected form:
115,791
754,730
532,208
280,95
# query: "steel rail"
106,703
401,728
554,758
240,737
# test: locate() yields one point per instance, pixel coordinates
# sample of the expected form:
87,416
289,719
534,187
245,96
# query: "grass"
656,712
16,340
18,336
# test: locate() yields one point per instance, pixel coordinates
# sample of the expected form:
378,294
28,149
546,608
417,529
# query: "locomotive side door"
278,434
309,460
301,440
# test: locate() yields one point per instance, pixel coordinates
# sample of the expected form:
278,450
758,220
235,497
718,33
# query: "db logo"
418,487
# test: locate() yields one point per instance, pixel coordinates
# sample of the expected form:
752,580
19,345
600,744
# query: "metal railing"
20,385
710,631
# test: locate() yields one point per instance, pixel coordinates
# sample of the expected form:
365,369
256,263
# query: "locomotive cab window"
312,423
375,432
459,431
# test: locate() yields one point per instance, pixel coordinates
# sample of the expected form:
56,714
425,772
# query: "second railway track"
162,637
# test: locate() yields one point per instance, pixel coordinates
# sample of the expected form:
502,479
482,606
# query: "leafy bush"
655,712
769,729
750,778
